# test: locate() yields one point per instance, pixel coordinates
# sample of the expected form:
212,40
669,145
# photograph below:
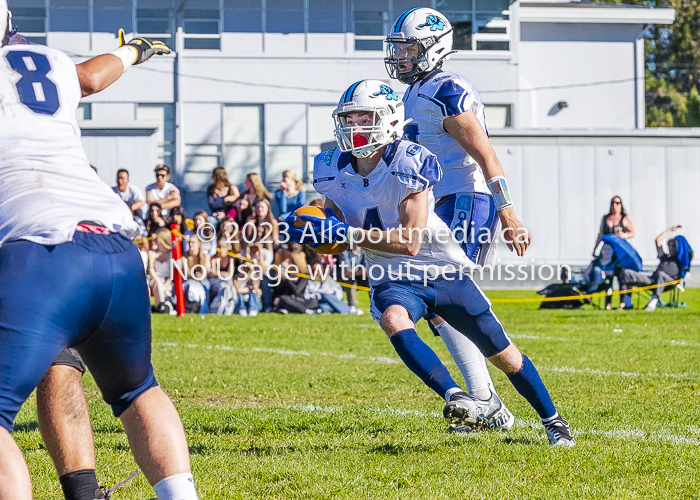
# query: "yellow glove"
144,48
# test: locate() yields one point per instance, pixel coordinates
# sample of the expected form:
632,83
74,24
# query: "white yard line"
619,434
396,361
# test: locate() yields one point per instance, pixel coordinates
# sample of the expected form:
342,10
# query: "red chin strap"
359,140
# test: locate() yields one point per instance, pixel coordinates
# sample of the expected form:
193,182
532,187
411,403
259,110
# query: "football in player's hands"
299,222
144,48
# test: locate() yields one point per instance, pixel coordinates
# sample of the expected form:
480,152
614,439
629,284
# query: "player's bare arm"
172,200
466,129
100,72
137,205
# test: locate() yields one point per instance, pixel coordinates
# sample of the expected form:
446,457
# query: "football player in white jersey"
381,188
69,275
473,198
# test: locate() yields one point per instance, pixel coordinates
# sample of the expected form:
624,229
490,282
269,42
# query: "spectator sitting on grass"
166,194
263,226
326,290
249,292
221,194
130,194
197,264
177,216
204,231
290,194
155,220
223,268
159,271
353,271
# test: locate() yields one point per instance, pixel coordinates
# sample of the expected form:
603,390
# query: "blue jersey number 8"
36,91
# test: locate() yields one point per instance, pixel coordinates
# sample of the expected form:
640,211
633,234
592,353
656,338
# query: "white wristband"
128,56
499,190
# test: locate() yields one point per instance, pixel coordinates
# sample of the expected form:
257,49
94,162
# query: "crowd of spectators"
235,262
232,259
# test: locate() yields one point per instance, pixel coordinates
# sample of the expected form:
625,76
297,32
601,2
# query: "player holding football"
69,276
381,188
473,199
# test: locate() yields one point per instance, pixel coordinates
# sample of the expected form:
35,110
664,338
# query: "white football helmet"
420,38
387,111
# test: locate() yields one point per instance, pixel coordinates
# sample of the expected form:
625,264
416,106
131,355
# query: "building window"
279,158
70,15
110,15
30,18
371,22
202,25
243,141
84,111
498,116
284,16
154,18
326,16
243,16
478,24
200,160
165,135
321,127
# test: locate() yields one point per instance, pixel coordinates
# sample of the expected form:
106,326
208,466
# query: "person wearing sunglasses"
616,221
166,194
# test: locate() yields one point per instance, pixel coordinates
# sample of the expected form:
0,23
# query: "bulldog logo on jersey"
388,92
433,22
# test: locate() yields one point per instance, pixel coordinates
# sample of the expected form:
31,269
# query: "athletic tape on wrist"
128,56
499,190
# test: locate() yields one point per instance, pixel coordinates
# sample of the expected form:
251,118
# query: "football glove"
296,233
144,48
328,230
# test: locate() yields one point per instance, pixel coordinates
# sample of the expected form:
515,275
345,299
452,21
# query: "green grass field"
321,407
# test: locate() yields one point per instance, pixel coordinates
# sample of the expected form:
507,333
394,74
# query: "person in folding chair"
615,256
673,266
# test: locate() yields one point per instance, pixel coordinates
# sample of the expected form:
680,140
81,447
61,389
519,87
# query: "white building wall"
562,185
577,58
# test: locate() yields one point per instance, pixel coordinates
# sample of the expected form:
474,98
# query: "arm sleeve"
417,170
452,98
324,173
660,252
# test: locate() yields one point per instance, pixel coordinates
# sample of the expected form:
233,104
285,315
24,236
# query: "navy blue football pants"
460,302
89,293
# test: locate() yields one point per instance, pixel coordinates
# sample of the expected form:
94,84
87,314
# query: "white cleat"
463,413
503,419
559,433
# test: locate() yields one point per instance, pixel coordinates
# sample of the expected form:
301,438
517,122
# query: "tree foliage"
672,65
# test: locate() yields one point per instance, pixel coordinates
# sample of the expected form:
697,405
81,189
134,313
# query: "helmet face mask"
370,115
360,131
406,60
431,34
